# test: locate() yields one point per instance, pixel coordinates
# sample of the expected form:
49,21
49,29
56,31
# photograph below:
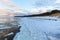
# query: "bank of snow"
39,28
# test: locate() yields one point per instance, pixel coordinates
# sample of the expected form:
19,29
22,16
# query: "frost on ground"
39,28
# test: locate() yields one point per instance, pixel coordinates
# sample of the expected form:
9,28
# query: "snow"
38,28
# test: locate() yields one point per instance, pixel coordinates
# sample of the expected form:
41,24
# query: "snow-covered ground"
39,28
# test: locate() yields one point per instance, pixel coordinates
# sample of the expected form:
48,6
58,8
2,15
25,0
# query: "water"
7,22
38,28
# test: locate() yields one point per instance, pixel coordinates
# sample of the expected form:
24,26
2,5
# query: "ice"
38,28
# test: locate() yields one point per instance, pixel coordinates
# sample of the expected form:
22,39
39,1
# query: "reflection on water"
6,21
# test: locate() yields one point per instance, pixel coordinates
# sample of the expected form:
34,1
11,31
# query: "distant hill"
51,13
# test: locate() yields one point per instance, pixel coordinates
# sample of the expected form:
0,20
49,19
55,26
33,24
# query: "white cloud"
57,1
7,6
6,12
43,9
10,4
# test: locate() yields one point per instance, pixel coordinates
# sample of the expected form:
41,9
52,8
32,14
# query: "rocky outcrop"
8,28
9,33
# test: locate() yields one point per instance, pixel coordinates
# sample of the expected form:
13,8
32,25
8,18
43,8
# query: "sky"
29,5
16,4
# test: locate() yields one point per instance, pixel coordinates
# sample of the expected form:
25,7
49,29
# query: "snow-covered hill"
39,28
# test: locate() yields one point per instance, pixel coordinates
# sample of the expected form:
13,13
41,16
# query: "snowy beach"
39,28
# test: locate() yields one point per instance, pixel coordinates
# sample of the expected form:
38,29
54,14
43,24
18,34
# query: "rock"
4,33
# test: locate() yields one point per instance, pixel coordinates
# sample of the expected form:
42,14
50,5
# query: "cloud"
10,4
41,3
43,9
6,12
42,6
45,5
44,2
57,1
7,7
